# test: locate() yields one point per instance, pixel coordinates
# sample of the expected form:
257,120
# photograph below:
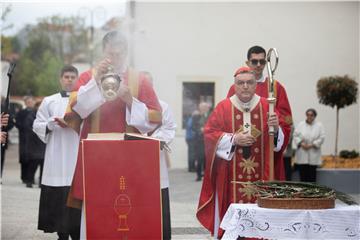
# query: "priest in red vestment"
136,109
256,60
237,149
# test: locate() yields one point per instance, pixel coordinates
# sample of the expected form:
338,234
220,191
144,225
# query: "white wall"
210,40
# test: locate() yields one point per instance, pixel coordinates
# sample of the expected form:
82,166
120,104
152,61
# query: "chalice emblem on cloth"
122,207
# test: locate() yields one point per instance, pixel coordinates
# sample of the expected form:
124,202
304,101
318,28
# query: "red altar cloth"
122,189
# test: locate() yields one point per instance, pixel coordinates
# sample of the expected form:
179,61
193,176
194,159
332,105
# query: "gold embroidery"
122,207
235,158
288,120
255,132
72,119
249,165
133,82
155,116
248,191
241,128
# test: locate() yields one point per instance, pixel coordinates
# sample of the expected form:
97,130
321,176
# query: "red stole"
282,106
84,78
255,166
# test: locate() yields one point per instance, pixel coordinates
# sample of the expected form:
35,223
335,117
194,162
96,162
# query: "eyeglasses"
256,61
242,83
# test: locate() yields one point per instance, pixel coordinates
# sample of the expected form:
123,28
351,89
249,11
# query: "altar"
249,220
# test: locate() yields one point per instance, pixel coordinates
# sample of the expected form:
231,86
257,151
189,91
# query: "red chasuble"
84,78
219,173
282,106
122,191
110,117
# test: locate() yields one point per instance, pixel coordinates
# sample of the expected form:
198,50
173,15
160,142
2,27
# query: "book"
137,136
126,136
105,136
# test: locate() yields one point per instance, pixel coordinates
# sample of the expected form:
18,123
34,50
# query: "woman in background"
309,135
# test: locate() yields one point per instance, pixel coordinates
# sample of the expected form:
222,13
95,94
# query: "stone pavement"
19,205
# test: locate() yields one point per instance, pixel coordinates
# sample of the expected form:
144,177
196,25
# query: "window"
193,94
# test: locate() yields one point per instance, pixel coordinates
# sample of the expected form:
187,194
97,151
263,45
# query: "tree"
339,92
38,69
53,42
68,36
9,45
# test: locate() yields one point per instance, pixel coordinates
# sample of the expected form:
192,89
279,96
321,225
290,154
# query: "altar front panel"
122,189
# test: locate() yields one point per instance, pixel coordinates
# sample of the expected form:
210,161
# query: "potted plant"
339,92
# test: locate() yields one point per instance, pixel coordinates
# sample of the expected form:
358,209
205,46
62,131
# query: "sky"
27,12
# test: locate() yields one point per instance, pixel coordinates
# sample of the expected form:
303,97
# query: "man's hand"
102,68
244,139
273,121
306,146
52,124
56,123
3,137
4,119
61,122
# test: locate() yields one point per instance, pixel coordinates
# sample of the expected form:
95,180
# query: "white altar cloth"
249,220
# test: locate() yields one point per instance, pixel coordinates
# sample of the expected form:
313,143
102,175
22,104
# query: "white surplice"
61,143
166,132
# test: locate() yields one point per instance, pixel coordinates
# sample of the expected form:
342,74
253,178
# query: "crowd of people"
226,146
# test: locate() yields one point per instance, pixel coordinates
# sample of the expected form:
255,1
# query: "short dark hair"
312,110
69,68
256,50
114,37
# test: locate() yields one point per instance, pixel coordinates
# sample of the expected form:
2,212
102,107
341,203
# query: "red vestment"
84,78
109,117
219,173
285,119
